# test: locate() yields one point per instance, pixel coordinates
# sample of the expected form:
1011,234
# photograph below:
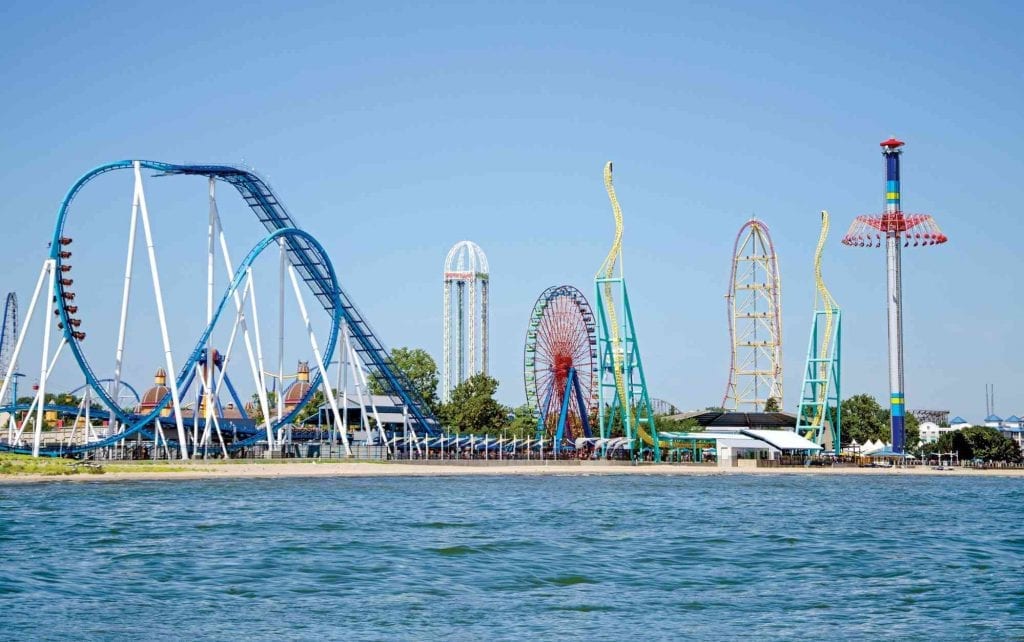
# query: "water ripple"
578,557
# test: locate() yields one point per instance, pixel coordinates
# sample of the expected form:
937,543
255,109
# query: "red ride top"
892,143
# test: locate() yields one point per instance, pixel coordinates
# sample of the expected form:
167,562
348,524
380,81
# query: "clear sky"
394,130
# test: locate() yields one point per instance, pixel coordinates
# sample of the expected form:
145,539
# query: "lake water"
575,557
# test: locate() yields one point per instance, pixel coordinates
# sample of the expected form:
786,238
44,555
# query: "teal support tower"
820,416
622,387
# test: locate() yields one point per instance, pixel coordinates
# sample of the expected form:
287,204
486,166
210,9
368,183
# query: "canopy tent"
782,439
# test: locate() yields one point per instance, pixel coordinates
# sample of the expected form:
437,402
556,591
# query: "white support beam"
154,271
324,376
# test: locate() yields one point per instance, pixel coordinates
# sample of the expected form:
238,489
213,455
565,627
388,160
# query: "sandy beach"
313,468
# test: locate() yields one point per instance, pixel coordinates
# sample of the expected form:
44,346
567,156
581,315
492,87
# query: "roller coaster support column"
343,378
280,331
257,374
140,197
50,267
9,375
125,296
324,376
206,377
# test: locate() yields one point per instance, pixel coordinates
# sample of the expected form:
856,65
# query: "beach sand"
313,468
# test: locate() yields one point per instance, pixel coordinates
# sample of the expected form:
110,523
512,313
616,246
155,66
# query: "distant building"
940,417
931,431
1012,427
152,397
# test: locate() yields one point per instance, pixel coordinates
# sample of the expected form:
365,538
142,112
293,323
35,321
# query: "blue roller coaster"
307,261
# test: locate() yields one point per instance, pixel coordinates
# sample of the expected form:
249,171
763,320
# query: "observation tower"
754,301
894,228
466,283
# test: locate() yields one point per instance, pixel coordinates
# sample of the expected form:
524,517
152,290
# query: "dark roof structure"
749,420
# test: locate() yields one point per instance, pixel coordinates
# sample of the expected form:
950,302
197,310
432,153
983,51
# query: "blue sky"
394,131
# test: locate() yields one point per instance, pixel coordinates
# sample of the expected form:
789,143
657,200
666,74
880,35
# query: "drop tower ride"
898,230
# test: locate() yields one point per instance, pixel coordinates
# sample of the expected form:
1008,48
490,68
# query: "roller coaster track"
305,255
135,423
607,271
828,306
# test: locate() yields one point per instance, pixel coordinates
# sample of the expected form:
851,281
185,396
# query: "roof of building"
1013,418
958,420
152,397
720,419
993,418
760,439
295,392
783,439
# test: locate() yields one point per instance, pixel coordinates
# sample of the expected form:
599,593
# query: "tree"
257,413
863,420
472,407
979,442
665,423
421,370
771,405
522,425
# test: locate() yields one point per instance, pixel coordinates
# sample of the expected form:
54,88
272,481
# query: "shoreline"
165,471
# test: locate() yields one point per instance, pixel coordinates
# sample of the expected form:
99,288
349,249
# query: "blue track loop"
136,423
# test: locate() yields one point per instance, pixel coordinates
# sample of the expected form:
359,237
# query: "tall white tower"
466,280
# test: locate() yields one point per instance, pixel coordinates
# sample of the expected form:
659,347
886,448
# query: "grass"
50,466
11,464
146,467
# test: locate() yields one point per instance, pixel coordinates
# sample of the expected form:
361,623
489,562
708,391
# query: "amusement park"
272,358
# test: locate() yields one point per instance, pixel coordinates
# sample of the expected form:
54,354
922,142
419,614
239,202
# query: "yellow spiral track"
828,305
607,271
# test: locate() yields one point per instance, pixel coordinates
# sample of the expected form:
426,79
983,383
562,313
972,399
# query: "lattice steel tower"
755,321
466,282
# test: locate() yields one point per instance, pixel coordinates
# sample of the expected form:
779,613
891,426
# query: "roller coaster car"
65,268
65,240
71,309
78,335
64,254
67,281
68,296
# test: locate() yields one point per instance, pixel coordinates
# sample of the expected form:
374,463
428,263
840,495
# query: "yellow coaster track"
607,271
824,298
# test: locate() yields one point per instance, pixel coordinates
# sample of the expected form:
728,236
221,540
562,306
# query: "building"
743,438
931,431
297,390
154,395
940,417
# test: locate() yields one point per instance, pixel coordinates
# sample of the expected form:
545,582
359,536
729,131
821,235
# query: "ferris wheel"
560,363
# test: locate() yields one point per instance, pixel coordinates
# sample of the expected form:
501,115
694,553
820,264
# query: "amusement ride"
623,403
583,372
190,417
466,289
755,321
896,230
820,415
560,362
